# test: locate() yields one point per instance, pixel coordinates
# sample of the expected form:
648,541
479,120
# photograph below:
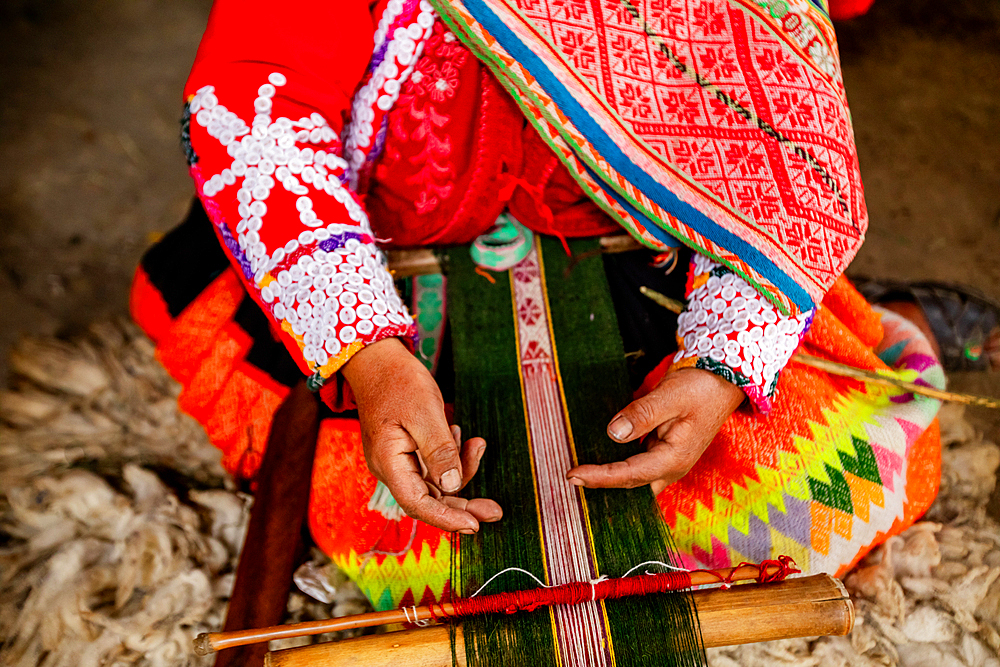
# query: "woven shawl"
721,124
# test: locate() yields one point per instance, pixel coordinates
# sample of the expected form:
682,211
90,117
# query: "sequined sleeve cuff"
275,189
729,329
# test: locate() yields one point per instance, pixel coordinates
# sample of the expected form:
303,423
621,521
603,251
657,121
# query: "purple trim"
809,323
379,144
379,55
234,249
339,240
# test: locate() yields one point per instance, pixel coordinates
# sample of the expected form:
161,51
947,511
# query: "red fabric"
458,152
841,10
205,350
239,51
148,308
245,42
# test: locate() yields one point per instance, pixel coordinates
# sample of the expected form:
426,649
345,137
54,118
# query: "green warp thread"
653,630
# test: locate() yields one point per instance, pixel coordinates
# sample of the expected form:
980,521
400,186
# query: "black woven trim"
189,153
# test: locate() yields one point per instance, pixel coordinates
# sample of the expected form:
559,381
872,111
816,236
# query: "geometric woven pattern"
834,469
723,124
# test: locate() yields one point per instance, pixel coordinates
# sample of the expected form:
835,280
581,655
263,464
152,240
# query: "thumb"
643,415
439,452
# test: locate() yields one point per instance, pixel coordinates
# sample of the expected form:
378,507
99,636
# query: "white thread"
593,593
654,562
509,569
422,623
593,586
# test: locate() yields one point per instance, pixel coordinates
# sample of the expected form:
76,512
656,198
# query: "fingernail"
451,481
620,428
576,481
467,531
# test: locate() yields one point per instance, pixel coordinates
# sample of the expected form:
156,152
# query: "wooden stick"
843,370
673,305
422,261
272,548
217,641
804,607
872,377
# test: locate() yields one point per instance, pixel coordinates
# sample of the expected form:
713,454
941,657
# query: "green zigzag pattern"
813,472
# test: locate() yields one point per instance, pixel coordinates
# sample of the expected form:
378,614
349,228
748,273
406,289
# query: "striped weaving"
539,370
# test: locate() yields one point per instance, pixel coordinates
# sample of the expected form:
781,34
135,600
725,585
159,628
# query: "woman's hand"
408,443
681,416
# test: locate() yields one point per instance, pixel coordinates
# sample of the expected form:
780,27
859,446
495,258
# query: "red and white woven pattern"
581,629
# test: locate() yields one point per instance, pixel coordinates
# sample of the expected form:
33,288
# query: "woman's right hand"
408,444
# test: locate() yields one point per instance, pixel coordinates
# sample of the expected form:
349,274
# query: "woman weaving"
317,136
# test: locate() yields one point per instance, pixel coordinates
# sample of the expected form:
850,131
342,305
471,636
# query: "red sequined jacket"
318,134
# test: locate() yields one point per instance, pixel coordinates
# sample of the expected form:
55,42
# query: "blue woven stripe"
658,233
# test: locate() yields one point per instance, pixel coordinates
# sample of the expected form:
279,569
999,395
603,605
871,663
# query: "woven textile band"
539,371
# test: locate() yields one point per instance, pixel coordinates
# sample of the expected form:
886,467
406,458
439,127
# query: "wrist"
727,396
371,359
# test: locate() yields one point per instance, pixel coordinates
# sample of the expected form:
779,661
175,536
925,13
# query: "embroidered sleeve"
265,109
728,328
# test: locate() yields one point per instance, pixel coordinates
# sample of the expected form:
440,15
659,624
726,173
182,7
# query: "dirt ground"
93,169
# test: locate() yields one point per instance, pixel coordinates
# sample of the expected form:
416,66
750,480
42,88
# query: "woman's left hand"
681,416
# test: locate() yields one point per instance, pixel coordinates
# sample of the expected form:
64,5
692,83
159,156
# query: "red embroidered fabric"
458,152
275,186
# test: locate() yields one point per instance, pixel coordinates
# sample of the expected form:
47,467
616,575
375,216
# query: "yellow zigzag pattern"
846,418
385,579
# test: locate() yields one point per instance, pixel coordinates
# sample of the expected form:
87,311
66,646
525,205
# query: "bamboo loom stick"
874,378
218,641
843,370
803,607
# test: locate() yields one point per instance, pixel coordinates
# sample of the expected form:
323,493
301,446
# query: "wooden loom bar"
422,261
803,607
218,641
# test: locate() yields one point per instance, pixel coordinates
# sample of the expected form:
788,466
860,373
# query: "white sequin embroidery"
269,154
381,91
729,322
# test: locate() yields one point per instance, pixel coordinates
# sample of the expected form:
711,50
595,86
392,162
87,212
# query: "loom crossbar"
802,607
